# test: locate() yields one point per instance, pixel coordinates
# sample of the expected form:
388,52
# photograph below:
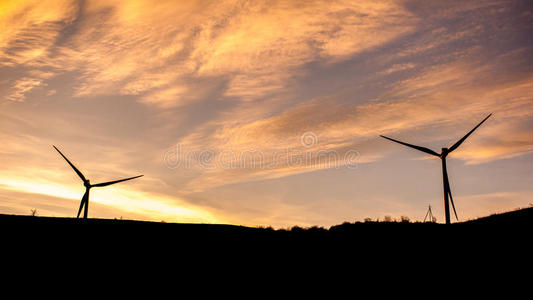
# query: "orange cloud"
134,47
412,105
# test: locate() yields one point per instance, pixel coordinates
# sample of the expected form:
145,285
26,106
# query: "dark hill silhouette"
48,239
520,217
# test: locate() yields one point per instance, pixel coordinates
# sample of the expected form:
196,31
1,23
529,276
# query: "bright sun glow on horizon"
265,112
157,207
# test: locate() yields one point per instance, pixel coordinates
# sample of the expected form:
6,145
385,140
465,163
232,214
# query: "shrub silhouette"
297,229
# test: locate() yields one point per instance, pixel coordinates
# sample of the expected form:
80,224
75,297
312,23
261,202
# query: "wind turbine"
88,186
429,216
444,153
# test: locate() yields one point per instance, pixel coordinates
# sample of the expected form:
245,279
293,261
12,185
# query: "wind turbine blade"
73,167
81,207
86,211
451,200
423,149
83,199
449,191
116,181
459,142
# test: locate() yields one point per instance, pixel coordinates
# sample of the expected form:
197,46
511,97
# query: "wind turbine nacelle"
444,152
87,183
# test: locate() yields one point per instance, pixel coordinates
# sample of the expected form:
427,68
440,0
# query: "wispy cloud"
134,47
21,87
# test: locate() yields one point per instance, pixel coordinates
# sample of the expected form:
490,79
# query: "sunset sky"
265,112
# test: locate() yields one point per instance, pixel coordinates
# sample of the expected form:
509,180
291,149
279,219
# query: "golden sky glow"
119,85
